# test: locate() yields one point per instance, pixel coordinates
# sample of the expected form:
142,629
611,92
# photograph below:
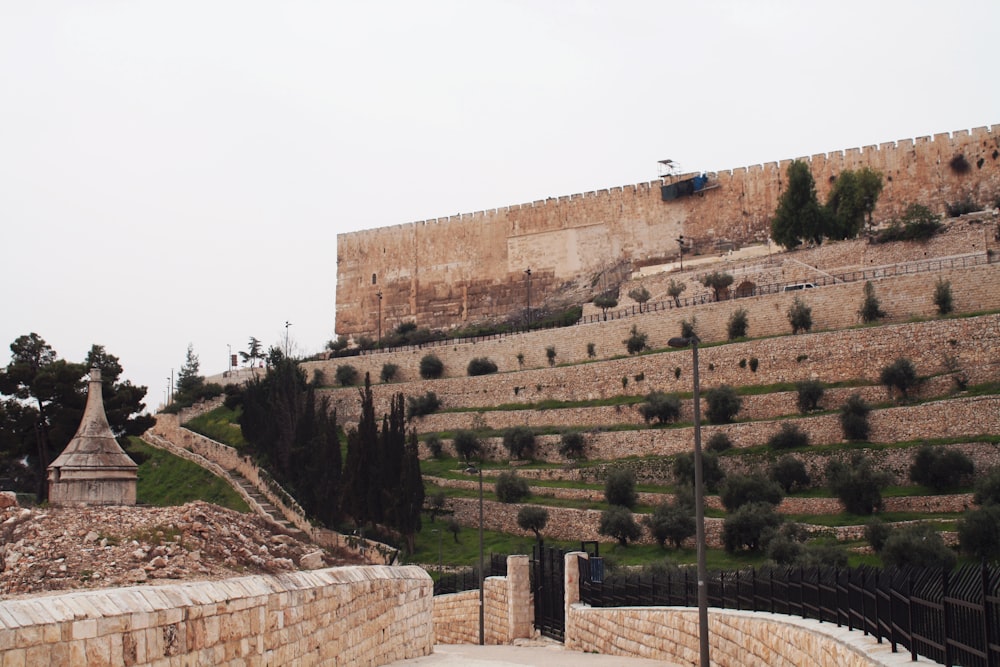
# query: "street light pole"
699,503
229,358
287,324
680,244
527,272
379,295
482,608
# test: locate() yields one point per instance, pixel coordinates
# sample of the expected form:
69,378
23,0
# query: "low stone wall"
339,616
508,611
736,638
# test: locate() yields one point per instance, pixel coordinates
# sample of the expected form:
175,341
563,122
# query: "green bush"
877,532
481,366
388,373
664,408
979,533
467,444
900,375
789,437
419,406
738,324
533,518
917,545
434,446
750,527
810,393
918,223
672,523
719,442
636,342
987,488
519,441
550,354
618,523
871,308
346,375
800,316
431,367
942,296
739,490
619,488
572,445
719,283
858,484
941,468
511,489
723,405
591,351
854,419
711,471
790,473
688,329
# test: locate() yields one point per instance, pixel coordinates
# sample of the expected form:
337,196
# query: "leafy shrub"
711,471
467,444
434,446
533,518
754,362
917,546
750,527
858,484
435,504
810,393
640,295
900,375
955,209
719,282
511,489
572,444
550,354
418,406
689,329
719,442
739,490
877,532
790,473
664,408
346,375
979,533
672,523
942,296
520,358
591,351
918,223
800,316
619,488
519,441
636,342
738,324
854,418
789,437
871,308
674,291
987,489
388,372
618,523
723,405
481,366
431,367
940,468
604,302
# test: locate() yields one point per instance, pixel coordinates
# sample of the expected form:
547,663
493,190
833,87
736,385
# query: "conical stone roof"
93,469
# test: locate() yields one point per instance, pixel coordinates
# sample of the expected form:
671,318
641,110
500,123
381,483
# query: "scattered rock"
312,561
7,499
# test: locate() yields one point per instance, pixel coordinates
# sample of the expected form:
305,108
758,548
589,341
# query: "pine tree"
188,379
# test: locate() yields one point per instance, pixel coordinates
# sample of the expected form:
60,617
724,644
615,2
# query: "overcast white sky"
177,172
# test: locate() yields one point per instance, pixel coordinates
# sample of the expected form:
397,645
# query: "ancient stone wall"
467,267
340,616
508,612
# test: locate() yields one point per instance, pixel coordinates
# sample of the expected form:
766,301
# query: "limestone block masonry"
508,609
370,615
468,267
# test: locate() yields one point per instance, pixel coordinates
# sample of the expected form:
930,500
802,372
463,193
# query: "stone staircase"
269,510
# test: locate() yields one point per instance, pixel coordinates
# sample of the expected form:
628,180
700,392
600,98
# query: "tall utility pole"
287,324
680,244
379,295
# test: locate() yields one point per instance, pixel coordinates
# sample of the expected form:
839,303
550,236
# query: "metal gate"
547,587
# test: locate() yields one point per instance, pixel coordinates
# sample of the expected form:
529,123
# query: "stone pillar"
520,609
571,596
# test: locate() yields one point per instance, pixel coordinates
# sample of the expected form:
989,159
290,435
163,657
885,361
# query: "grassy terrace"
165,479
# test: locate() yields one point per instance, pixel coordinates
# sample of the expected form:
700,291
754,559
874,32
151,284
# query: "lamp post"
680,245
287,324
229,358
474,470
527,272
699,503
379,295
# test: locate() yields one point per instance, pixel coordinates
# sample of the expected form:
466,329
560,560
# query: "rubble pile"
60,548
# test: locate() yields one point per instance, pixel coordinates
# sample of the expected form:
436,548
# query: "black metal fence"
467,579
950,617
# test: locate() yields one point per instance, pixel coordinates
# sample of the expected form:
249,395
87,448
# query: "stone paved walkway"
550,655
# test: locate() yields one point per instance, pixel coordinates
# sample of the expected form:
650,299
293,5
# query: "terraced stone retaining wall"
370,615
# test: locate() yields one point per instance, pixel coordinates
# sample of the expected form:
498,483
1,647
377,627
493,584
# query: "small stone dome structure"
93,469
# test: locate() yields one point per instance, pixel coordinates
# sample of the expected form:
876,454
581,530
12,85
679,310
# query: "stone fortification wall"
340,616
829,356
446,271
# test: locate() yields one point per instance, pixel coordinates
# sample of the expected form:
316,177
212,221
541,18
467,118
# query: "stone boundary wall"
832,353
214,456
370,615
447,271
736,638
508,609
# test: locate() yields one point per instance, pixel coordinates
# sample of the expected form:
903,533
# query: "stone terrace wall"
340,616
831,354
446,271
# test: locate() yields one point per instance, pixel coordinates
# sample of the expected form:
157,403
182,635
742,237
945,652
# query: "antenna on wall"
668,168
